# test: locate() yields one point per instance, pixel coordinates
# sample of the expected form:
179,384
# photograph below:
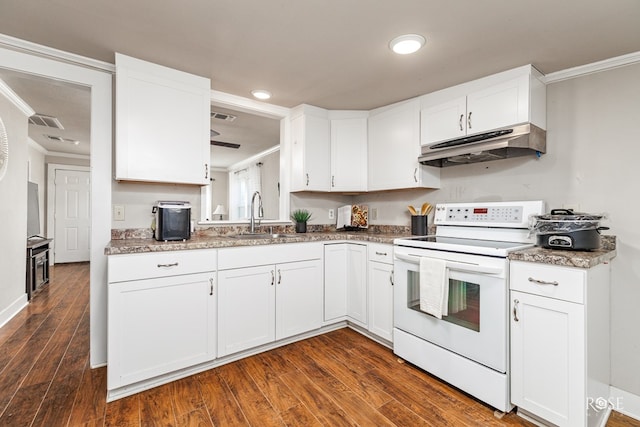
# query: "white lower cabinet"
246,301
345,285
560,342
264,303
380,280
162,324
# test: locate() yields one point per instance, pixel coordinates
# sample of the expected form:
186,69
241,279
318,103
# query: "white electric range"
468,347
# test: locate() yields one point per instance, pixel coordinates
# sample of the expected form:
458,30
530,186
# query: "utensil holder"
419,225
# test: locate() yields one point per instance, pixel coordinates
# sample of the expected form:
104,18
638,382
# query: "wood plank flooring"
336,379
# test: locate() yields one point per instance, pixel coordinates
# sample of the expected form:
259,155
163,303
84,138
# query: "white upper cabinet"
394,147
162,123
348,150
505,99
310,149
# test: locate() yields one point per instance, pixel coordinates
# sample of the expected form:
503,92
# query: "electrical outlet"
118,212
374,213
332,213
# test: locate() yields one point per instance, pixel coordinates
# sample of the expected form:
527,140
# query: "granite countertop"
580,259
141,245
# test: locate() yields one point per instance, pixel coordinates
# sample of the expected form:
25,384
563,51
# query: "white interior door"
72,216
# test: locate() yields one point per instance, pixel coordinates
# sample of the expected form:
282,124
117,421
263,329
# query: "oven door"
476,324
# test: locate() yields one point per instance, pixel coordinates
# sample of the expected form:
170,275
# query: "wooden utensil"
424,208
412,210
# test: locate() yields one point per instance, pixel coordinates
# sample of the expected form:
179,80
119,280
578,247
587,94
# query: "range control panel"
494,214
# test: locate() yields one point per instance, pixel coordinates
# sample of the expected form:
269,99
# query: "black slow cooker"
565,229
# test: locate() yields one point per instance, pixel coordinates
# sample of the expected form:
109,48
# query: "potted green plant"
300,217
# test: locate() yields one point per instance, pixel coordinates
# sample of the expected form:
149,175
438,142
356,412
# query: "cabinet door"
246,307
444,121
162,123
394,148
160,325
357,283
335,281
380,278
310,152
547,358
500,105
298,298
349,154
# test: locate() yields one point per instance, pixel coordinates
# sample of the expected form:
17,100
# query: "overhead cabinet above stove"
498,102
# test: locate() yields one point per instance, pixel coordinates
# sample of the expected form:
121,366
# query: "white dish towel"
434,286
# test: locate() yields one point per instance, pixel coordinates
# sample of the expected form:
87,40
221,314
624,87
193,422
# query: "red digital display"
480,211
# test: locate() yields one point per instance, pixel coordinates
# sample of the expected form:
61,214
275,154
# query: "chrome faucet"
252,220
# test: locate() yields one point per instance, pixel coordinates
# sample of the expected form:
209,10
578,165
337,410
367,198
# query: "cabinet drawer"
561,283
160,264
381,253
250,256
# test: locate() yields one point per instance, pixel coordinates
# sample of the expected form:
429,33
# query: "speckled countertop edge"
132,246
580,259
207,239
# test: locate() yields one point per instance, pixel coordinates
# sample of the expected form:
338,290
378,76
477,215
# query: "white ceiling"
334,53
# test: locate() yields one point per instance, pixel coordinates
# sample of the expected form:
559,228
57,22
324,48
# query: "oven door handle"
452,265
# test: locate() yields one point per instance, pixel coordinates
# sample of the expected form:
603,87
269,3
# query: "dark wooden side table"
37,264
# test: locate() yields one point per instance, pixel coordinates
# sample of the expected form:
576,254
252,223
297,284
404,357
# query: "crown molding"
56,54
253,158
15,99
247,105
595,67
68,155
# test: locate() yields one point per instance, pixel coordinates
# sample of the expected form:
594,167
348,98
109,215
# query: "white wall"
38,174
270,170
13,198
138,200
220,192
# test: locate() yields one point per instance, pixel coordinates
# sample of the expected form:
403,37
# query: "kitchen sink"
262,236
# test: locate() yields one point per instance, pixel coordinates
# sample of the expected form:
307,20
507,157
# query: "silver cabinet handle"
515,310
381,253
333,181
175,264
460,123
307,179
206,171
415,174
469,121
542,282
211,288
273,278
391,277
279,276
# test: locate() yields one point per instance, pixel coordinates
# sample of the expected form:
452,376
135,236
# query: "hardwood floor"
340,378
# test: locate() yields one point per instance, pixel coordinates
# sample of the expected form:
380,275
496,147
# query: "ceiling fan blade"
225,144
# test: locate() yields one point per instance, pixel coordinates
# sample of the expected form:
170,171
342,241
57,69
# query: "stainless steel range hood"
516,141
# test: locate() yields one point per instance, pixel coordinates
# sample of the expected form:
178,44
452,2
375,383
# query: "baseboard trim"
13,309
624,402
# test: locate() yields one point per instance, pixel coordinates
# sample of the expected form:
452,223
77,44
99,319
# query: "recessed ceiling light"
261,94
408,43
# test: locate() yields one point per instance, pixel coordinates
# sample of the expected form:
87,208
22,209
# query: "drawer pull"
381,253
542,282
515,310
175,264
